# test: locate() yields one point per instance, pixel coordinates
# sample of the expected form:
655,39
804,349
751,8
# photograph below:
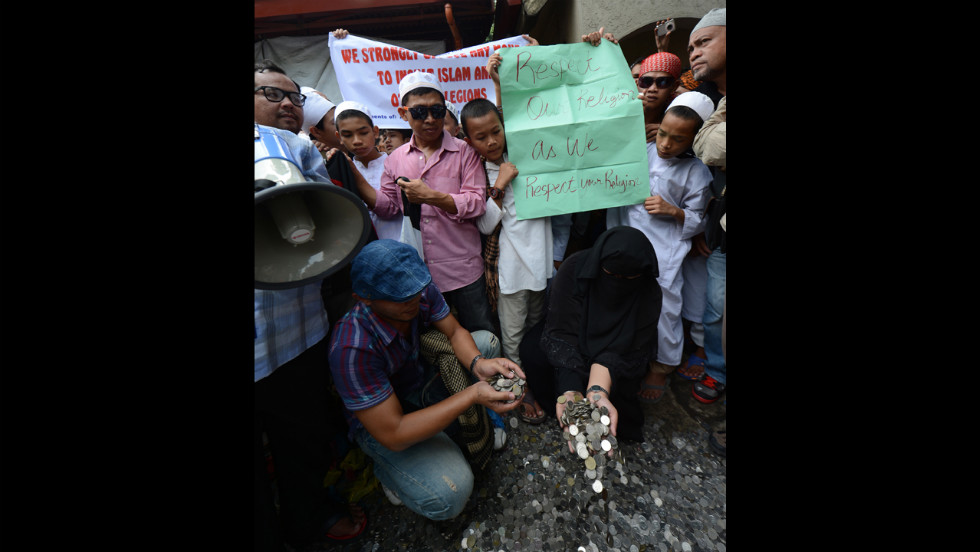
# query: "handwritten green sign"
574,128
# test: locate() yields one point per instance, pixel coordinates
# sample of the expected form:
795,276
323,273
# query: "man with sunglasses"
291,373
444,177
657,85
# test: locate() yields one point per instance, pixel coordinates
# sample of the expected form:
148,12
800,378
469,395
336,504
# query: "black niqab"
619,314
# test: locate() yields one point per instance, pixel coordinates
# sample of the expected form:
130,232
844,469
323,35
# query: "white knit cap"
315,108
714,17
351,106
696,101
418,79
451,107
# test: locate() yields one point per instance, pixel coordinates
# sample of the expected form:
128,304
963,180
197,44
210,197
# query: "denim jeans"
472,307
715,365
433,477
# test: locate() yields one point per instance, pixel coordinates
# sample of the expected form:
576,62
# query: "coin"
500,383
590,463
604,419
597,486
573,429
562,399
606,445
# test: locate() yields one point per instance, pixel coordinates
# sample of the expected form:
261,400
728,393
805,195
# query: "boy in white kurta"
357,134
525,261
670,217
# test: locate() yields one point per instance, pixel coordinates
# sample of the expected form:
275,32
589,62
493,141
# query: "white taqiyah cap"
697,101
418,79
452,109
315,108
351,106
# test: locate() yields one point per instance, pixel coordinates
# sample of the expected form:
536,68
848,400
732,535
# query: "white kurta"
682,183
386,228
526,258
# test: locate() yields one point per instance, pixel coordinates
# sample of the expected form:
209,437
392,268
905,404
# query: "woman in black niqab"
603,309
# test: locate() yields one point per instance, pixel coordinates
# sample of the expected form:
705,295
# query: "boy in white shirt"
525,260
357,134
670,217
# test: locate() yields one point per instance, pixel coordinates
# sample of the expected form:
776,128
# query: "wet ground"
667,493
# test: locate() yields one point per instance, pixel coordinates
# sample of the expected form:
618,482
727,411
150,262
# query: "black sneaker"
707,390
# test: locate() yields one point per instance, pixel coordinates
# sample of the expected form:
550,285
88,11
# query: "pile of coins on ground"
513,384
588,431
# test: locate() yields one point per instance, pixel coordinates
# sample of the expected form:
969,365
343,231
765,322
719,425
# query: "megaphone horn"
304,231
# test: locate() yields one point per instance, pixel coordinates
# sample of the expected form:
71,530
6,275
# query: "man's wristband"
473,364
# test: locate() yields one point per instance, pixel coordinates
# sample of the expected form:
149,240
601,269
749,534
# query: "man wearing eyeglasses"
278,101
291,371
445,177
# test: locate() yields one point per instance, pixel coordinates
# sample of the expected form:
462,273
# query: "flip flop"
646,386
533,420
692,360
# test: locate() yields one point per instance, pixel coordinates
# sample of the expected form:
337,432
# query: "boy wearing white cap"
669,218
452,120
443,175
318,120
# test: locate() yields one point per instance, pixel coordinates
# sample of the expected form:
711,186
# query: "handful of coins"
513,384
588,430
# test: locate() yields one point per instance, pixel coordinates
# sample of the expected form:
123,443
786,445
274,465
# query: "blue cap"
388,270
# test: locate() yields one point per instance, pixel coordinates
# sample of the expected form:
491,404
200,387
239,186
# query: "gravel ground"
666,493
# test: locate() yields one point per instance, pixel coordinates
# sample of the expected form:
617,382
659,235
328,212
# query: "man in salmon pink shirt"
444,176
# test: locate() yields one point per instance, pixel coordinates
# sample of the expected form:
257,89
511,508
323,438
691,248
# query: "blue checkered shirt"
288,322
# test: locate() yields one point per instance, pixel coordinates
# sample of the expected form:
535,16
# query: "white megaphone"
304,231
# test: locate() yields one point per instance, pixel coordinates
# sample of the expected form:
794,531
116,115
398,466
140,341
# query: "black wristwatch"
496,193
596,397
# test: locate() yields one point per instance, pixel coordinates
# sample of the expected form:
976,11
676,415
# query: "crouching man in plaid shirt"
396,405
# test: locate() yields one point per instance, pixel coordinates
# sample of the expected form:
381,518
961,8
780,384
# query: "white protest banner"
368,72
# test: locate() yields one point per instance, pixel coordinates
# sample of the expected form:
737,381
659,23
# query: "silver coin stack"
588,431
515,385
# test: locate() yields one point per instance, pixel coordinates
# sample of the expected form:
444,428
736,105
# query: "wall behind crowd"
306,59
632,22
